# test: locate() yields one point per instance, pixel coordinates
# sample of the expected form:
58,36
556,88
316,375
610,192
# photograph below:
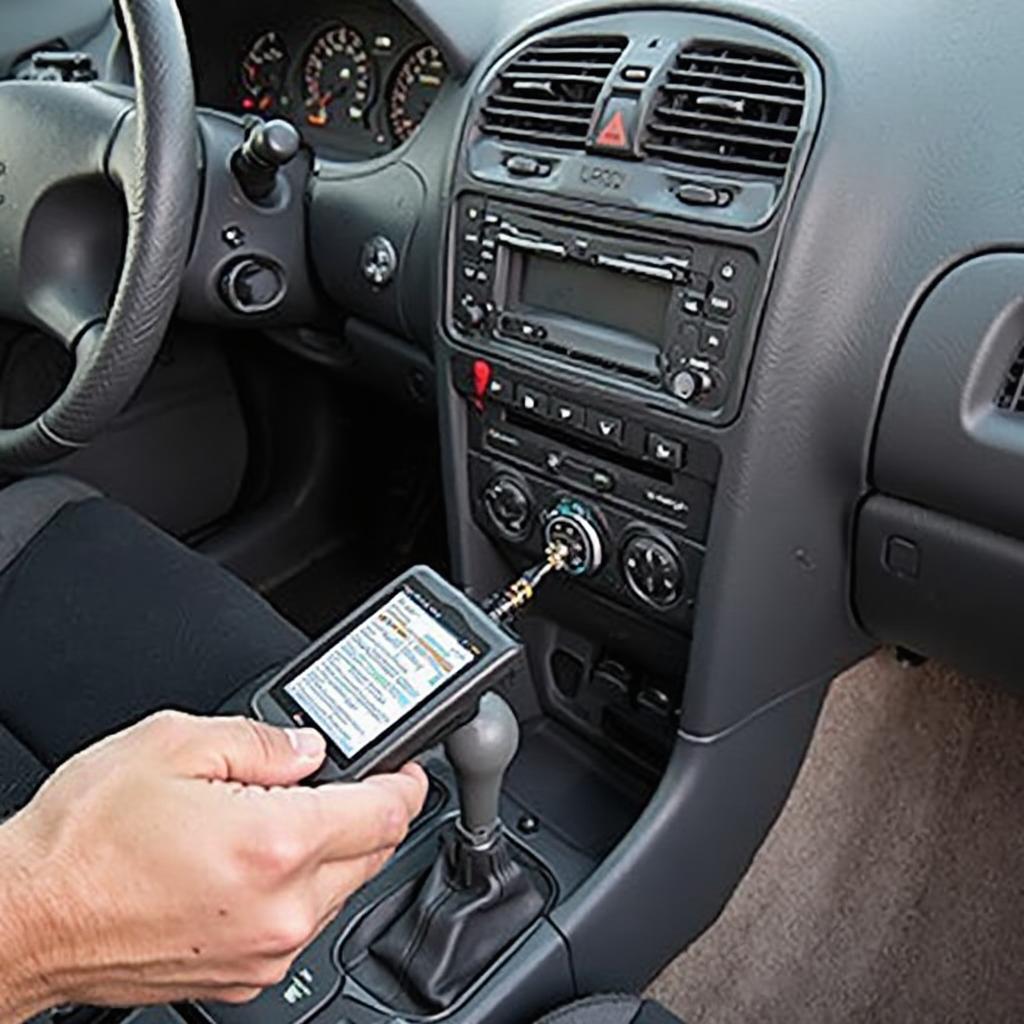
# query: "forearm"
26,935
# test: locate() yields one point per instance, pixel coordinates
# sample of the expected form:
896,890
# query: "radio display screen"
596,295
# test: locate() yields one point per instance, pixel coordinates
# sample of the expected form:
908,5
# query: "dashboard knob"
691,384
509,506
573,524
253,285
653,571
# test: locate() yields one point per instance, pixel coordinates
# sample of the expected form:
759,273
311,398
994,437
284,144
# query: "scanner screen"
381,672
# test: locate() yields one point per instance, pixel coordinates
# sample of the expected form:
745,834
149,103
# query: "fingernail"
306,742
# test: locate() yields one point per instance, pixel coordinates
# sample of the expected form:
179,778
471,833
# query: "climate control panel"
642,566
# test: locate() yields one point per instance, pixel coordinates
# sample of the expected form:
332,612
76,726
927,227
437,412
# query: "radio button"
607,428
532,401
714,341
665,451
722,304
569,414
693,303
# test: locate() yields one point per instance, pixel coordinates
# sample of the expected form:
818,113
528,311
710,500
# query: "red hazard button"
617,126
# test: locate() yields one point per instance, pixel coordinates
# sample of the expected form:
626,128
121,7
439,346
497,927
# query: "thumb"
242,750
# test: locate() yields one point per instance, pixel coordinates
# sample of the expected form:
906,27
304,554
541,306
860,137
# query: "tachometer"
337,77
414,90
264,68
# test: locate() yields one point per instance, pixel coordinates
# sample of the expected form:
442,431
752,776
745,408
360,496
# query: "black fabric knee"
104,619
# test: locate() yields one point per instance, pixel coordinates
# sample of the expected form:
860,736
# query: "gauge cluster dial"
357,82
337,78
414,89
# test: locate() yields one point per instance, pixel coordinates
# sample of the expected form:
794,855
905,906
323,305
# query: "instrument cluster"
356,79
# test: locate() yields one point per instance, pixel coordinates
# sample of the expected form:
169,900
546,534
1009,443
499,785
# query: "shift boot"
469,907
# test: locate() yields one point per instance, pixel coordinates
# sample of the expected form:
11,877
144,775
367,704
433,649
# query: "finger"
417,772
349,820
249,752
412,784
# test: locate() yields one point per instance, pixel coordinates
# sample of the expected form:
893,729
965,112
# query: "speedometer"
414,90
337,77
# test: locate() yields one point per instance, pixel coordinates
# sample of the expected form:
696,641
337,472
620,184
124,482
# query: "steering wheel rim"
113,342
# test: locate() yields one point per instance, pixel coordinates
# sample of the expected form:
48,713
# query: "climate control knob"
573,525
509,506
653,571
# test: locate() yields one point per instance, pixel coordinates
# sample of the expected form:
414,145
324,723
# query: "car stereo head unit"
659,312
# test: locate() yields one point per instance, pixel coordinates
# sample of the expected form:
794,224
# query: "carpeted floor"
891,889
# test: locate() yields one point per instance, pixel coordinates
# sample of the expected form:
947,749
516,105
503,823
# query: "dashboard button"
500,389
693,303
602,425
569,414
722,304
714,341
636,73
617,125
531,400
665,451
726,270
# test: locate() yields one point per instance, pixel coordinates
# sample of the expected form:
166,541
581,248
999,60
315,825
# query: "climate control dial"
574,525
509,506
653,570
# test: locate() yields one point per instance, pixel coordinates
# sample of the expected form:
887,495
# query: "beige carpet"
892,886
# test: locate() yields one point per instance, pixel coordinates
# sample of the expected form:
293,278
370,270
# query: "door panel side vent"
728,109
548,93
1011,396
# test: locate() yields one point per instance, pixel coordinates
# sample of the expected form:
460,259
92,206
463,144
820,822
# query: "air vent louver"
548,93
1011,397
728,109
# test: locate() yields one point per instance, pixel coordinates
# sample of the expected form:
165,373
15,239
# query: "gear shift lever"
480,753
479,896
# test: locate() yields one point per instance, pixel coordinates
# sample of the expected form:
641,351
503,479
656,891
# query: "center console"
611,234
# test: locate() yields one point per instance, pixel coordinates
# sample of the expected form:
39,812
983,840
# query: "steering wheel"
98,194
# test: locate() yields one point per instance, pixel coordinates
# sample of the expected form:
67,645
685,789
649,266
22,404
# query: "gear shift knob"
480,752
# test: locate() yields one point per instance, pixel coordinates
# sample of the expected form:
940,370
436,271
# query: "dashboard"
356,79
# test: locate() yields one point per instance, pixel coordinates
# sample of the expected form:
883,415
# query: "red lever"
481,382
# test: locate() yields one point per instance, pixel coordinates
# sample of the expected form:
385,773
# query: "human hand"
179,860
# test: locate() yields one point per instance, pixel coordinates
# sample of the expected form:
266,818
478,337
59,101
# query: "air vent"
548,93
728,109
1011,397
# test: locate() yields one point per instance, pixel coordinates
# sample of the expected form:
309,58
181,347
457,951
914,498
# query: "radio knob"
690,384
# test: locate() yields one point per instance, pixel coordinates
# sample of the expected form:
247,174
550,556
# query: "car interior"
724,297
